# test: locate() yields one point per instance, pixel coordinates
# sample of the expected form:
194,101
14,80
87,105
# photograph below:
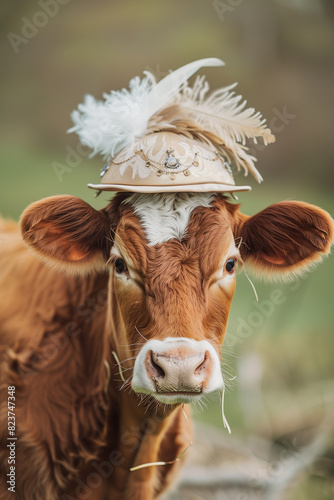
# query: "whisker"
140,333
130,345
230,353
239,241
253,287
227,372
128,359
123,386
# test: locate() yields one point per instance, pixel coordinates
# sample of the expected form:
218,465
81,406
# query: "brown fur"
285,238
79,432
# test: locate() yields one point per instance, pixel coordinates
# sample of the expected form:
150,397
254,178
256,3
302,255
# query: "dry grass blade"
119,365
152,464
225,422
185,415
106,364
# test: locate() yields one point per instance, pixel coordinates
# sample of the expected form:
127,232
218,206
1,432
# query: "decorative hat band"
167,136
164,161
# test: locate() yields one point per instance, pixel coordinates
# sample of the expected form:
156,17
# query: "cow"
112,321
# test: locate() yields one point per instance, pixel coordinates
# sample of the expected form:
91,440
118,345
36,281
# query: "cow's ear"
68,233
285,238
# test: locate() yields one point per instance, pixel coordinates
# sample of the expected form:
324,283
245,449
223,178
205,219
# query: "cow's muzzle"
177,370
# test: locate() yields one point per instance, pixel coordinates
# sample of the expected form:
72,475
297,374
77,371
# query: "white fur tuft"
166,216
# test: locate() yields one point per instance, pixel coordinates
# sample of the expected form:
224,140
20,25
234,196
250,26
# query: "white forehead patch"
165,216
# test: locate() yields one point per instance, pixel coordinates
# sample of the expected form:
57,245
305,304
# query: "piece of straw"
225,422
152,464
185,415
119,365
106,364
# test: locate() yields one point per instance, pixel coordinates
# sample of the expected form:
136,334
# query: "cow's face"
172,262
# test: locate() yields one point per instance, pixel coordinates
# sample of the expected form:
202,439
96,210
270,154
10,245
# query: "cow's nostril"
158,371
203,365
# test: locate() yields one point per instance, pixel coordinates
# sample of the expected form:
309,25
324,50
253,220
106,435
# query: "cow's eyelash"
119,264
129,272
113,257
238,260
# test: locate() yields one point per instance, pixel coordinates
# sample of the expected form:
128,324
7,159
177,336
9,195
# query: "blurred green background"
282,54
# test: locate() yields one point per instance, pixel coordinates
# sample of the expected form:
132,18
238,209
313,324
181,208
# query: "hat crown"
165,161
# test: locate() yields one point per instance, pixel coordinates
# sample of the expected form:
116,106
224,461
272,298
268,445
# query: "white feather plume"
107,127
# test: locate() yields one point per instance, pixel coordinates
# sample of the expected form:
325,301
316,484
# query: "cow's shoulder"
59,416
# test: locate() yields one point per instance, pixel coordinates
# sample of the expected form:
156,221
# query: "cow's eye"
229,266
120,266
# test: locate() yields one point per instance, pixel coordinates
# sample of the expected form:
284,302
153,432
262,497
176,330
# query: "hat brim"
175,188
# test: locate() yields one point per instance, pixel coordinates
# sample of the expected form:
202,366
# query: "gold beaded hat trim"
165,162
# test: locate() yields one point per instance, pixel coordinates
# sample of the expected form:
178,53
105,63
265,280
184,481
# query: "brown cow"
151,278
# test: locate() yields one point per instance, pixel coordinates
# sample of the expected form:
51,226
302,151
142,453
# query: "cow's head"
173,261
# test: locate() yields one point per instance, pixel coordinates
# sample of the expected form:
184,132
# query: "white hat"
169,137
